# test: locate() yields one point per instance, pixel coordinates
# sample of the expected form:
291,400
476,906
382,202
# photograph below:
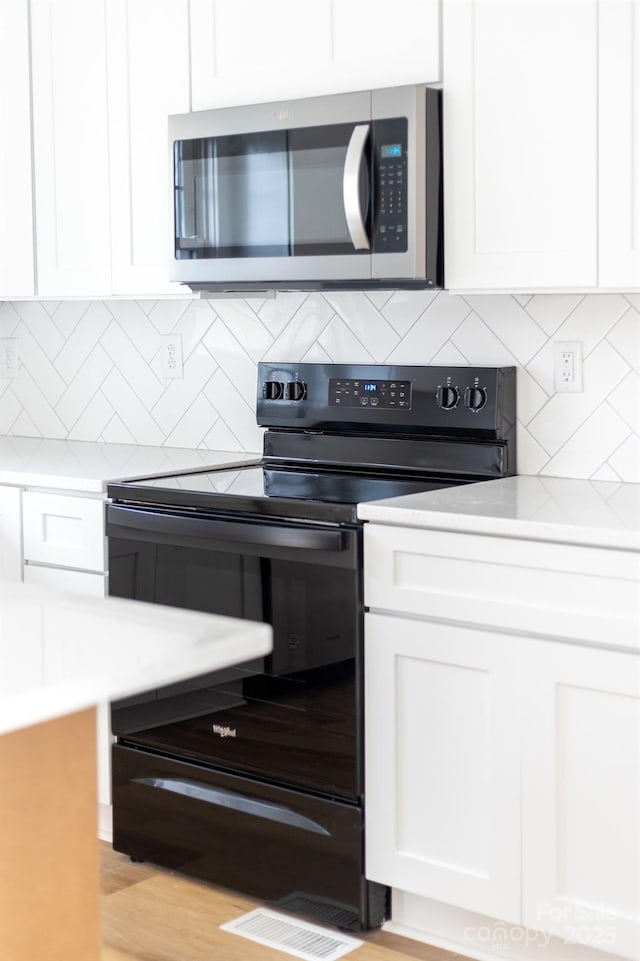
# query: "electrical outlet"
171,356
8,357
567,366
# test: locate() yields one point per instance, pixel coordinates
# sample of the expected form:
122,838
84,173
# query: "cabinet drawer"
561,590
64,531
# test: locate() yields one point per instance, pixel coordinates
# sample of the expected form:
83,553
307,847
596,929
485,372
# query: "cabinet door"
581,795
520,142
148,60
442,763
71,148
11,533
16,216
619,169
286,52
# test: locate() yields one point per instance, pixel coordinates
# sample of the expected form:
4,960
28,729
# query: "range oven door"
292,717
326,189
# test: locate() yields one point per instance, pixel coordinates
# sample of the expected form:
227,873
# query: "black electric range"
253,777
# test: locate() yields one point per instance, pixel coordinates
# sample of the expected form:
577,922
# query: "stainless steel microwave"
335,192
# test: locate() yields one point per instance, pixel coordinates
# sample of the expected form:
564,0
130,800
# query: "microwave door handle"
351,187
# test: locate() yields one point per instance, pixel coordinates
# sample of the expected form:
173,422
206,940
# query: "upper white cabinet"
259,50
71,147
619,117
148,69
16,222
520,139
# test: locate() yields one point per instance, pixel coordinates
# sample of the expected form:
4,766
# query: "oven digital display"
385,394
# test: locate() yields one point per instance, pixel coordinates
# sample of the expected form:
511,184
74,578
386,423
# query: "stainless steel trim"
351,186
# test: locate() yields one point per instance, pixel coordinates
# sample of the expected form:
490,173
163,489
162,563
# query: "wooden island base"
49,868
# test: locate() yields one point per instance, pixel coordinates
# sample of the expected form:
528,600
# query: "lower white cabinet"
65,549
64,531
503,758
581,795
10,533
442,762
73,582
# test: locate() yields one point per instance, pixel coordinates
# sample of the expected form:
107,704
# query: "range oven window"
290,717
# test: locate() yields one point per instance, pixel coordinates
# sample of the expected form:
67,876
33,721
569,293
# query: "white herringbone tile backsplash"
90,370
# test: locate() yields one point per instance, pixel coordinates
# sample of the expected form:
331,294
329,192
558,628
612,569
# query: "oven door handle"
268,535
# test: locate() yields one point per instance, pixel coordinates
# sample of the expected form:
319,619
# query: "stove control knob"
447,397
475,398
296,390
273,390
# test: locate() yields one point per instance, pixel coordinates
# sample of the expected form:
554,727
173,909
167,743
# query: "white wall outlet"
567,366
8,357
171,356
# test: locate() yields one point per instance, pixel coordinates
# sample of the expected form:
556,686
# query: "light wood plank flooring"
149,914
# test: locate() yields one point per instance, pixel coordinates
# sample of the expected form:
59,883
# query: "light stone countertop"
89,467
61,653
595,513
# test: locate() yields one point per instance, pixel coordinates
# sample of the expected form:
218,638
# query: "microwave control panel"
390,185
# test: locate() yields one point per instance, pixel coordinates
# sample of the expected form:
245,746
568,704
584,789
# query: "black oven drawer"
211,825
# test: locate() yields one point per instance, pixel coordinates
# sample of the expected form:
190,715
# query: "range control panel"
386,394
410,399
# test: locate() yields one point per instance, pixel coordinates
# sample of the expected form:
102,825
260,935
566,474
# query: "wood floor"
153,915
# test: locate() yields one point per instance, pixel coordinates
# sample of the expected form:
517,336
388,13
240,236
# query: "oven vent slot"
298,938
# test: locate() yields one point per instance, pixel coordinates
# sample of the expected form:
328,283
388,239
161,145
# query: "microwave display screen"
391,150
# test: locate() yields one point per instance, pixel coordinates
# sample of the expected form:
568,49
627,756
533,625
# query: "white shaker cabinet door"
619,170
11,533
520,143
148,61
16,216
442,763
71,147
581,795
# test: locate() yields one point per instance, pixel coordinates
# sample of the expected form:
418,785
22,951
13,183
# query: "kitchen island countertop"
62,653
89,467
591,513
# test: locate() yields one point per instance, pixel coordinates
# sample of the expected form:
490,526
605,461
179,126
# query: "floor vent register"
298,938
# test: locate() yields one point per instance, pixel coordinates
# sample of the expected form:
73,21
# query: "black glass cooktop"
292,492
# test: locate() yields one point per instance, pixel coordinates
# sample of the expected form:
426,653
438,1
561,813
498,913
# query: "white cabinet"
295,49
442,763
65,550
16,216
520,143
11,533
502,707
71,147
148,67
619,143
64,531
581,795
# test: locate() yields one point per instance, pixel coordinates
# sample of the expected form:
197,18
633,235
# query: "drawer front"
560,590
73,582
64,531
269,842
